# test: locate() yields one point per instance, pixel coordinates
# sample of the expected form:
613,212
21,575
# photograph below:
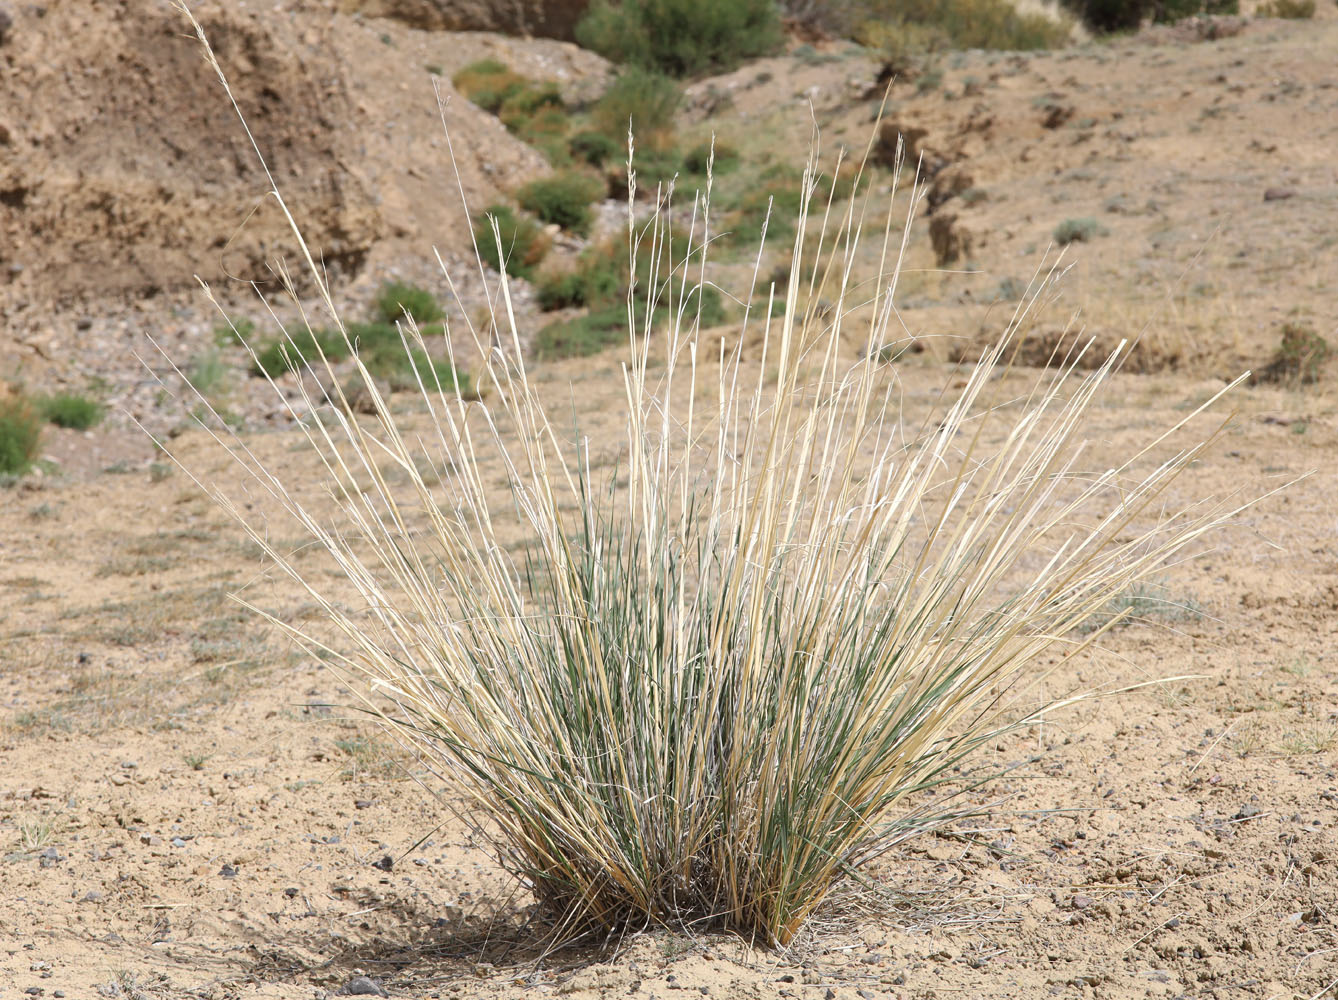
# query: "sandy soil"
187,807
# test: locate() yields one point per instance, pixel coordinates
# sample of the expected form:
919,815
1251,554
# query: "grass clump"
20,434
594,148
726,671
563,199
301,348
1292,10
1077,231
699,157
533,111
517,245
908,32
396,299
681,37
72,410
489,83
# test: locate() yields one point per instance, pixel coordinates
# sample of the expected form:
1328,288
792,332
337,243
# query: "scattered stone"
361,986
1082,902
290,892
227,871
385,864
362,804
93,896
49,858
178,842
1248,811
150,839
1279,194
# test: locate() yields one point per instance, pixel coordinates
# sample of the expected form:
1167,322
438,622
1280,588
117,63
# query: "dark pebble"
290,892
385,864
227,871
1279,194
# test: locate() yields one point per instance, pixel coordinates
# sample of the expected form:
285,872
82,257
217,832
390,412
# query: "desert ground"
190,806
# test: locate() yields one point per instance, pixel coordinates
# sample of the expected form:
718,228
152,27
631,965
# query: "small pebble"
362,986
178,842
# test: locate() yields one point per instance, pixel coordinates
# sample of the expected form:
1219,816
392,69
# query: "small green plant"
435,69
71,410
607,327
20,435
230,334
208,372
196,761
300,348
644,100
563,199
522,243
681,37
908,34
1294,10
1077,231
397,298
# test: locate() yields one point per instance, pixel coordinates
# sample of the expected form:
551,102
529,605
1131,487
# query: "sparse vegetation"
71,410
681,37
1294,10
20,434
563,199
1078,231
522,244
1300,356
397,298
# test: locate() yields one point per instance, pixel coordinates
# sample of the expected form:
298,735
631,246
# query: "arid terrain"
191,807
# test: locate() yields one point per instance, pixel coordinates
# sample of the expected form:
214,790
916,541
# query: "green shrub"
303,347
697,158
681,37
597,279
523,243
1078,231
208,372
647,100
397,298
607,327
20,435
71,410
1295,10
382,351
563,199
489,84
595,148
907,32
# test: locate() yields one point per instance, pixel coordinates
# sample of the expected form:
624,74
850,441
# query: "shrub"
523,244
563,199
1078,230
697,158
607,327
397,298
71,410
302,347
1298,10
907,32
681,37
645,99
595,148
596,280
20,434
1299,358
489,83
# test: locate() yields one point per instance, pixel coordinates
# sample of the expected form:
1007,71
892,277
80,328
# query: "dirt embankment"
124,173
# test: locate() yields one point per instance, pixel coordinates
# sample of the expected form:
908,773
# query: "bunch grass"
720,676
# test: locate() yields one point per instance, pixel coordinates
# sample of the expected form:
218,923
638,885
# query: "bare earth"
187,806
